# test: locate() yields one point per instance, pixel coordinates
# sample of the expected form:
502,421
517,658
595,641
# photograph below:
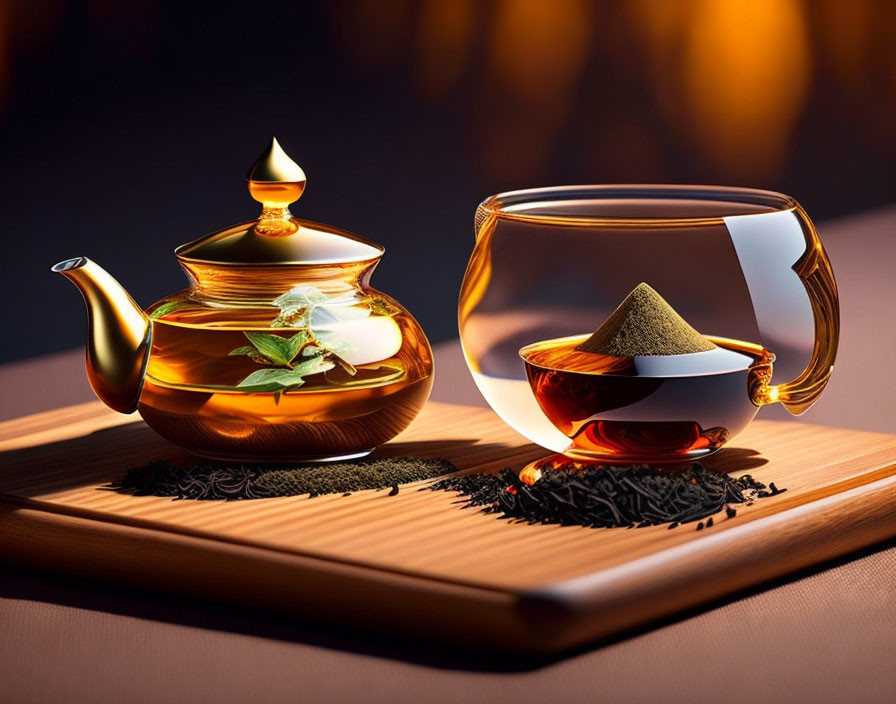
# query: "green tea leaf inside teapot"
279,350
164,309
282,379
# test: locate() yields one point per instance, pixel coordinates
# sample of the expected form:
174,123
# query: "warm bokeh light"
846,30
536,54
444,43
537,48
747,70
644,88
857,43
660,27
376,32
4,52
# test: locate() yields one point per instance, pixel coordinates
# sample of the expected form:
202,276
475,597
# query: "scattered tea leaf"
331,342
291,319
270,380
247,350
299,297
315,365
307,306
280,350
297,342
273,347
296,305
164,309
349,368
380,306
281,379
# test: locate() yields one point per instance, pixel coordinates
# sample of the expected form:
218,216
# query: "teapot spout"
118,334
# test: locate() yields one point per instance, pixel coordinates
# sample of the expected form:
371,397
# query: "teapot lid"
276,237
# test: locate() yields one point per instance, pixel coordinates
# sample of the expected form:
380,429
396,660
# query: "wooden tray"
415,562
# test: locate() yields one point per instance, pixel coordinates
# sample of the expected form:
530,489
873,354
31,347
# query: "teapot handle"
814,270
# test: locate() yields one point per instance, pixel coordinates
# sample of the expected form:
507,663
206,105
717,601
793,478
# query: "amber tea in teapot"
237,381
278,350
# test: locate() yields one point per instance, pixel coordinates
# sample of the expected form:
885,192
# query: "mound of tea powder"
609,497
645,325
218,481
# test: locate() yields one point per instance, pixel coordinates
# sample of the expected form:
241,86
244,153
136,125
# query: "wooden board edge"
323,590
581,609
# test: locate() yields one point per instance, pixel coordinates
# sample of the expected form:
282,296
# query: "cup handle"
814,270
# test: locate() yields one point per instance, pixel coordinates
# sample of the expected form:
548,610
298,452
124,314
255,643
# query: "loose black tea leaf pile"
609,497
210,481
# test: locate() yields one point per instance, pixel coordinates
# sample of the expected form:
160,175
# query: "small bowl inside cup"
651,410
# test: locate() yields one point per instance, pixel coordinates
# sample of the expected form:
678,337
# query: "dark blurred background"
128,126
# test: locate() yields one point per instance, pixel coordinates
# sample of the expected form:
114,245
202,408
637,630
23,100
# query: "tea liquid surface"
193,387
643,409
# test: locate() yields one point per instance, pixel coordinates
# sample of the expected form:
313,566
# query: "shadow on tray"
104,455
735,460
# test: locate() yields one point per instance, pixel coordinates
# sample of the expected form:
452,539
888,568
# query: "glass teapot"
278,350
742,271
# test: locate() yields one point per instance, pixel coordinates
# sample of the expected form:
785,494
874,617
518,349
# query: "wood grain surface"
416,562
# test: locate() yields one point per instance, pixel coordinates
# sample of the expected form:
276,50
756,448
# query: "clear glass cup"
744,267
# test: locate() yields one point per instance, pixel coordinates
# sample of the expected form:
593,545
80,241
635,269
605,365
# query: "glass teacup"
744,267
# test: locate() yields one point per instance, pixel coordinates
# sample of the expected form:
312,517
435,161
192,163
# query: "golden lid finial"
276,166
276,237
275,181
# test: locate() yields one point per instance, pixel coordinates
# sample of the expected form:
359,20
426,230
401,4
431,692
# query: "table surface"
827,635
